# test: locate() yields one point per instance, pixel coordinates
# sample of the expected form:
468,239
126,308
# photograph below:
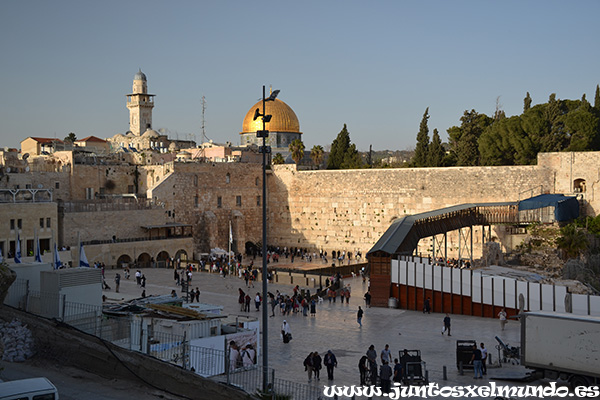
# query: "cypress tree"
436,151
527,102
421,151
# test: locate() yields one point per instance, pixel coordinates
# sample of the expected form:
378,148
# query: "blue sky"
373,65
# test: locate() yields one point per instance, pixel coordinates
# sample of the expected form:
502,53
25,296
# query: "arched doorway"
181,255
144,260
162,260
124,261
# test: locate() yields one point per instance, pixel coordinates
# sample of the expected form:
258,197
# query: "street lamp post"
264,149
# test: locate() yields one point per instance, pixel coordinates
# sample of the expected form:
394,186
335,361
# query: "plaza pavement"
335,328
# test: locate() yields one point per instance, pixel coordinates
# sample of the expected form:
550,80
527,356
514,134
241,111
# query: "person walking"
385,376
359,316
117,282
308,366
446,324
317,365
386,354
484,354
368,299
476,360
330,363
286,332
247,300
241,299
397,371
372,356
257,301
313,307
427,306
363,368
502,317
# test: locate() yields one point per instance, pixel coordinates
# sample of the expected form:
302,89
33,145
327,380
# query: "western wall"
350,209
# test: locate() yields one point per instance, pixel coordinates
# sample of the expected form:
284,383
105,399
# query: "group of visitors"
370,374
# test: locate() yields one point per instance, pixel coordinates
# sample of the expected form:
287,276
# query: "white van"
28,389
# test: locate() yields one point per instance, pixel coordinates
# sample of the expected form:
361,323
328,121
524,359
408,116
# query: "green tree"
421,150
71,138
297,150
435,155
278,159
316,154
339,147
527,102
572,241
352,158
597,98
464,139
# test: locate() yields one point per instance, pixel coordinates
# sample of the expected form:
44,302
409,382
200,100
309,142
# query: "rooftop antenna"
203,127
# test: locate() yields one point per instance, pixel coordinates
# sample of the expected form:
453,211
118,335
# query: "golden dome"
284,118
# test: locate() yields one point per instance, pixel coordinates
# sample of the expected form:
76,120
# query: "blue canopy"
565,208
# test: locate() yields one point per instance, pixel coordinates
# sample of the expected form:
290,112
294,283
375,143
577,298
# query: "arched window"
579,185
257,181
195,180
228,178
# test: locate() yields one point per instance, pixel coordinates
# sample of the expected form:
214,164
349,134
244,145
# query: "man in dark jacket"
330,362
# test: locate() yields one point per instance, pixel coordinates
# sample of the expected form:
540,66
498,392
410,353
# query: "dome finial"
270,90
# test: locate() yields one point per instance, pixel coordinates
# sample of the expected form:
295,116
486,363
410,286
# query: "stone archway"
123,261
163,259
181,255
144,260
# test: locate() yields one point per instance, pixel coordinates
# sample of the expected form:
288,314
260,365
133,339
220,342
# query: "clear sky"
65,66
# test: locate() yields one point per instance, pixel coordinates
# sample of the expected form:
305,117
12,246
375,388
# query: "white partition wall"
489,290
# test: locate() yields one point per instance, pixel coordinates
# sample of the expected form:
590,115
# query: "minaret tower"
140,105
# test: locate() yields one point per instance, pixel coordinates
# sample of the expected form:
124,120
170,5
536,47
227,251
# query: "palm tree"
316,154
277,159
297,150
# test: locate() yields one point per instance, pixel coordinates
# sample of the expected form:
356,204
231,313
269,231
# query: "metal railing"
130,333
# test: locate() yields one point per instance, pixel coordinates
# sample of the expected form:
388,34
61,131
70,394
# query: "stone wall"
103,225
192,194
350,209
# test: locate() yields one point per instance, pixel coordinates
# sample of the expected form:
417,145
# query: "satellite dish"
40,186
25,156
7,169
27,168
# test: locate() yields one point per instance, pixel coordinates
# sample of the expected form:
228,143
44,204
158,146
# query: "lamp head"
267,118
256,114
273,96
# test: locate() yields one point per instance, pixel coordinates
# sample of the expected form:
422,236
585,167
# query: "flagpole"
230,240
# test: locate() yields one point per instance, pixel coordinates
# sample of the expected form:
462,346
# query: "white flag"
38,252
230,233
83,261
18,250
57,262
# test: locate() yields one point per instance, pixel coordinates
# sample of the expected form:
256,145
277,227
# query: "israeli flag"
57,262
38,253
83,261
18,250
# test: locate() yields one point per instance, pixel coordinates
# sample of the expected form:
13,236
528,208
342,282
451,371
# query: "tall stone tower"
140,105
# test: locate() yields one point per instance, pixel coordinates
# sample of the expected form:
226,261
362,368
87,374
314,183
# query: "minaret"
140,105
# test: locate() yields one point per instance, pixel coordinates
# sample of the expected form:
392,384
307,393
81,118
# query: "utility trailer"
562,346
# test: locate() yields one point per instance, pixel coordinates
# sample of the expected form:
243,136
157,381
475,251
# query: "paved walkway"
335,328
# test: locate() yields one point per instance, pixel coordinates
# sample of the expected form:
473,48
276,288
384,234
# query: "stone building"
140,136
